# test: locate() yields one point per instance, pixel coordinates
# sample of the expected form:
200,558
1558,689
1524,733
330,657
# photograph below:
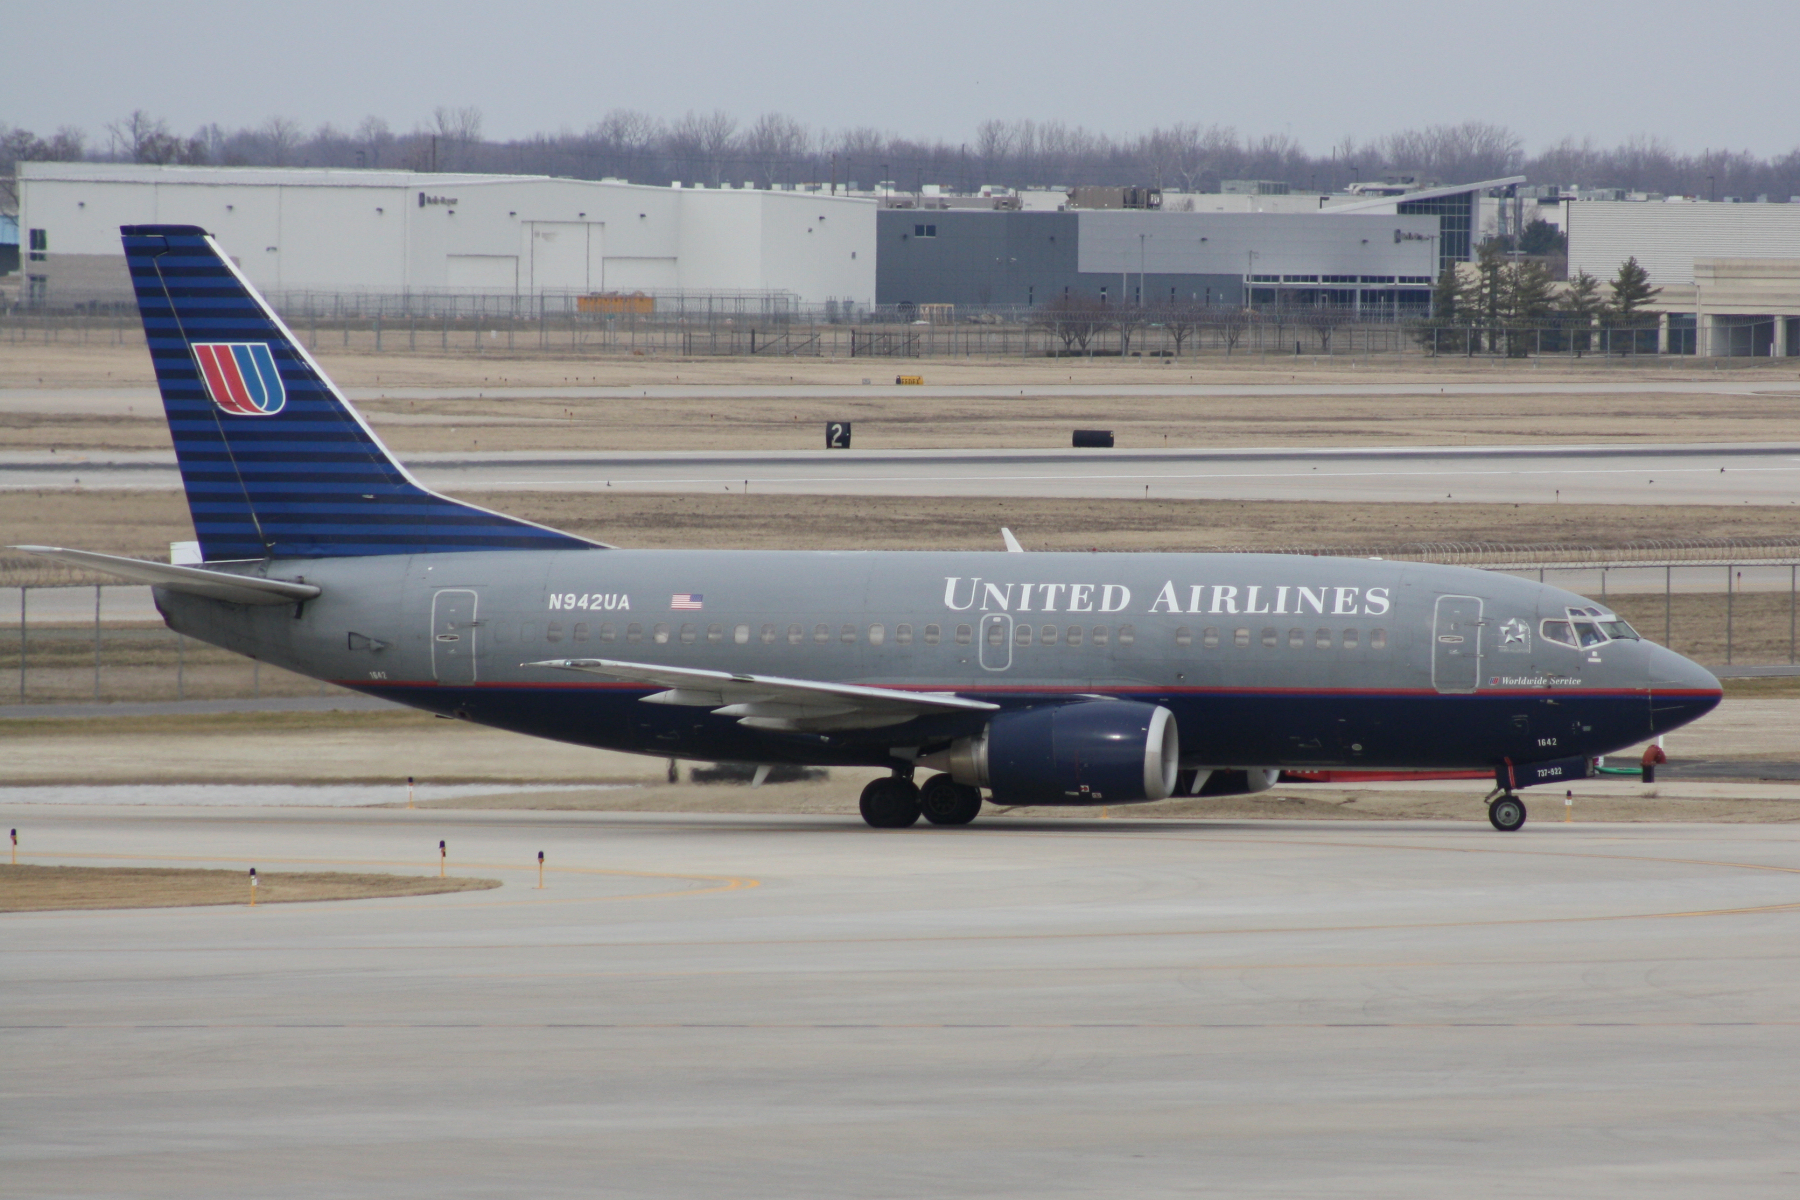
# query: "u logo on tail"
241,377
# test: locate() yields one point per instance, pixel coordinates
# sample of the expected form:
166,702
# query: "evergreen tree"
1447,296
1631,290
1582,304
1525,290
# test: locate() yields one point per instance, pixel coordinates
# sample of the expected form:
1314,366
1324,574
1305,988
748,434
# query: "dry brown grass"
27,888
142,524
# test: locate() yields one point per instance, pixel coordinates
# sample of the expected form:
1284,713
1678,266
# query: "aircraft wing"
198,581
771,702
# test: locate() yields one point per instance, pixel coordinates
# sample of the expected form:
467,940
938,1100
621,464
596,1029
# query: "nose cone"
1681,690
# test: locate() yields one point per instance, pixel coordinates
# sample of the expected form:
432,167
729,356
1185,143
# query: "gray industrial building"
1371,262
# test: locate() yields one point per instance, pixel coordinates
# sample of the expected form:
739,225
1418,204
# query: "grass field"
30,888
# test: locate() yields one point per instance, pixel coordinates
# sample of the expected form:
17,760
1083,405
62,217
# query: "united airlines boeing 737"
1035,678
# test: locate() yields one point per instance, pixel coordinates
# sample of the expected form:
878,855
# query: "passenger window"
847,634
821,633
1184,636
1322,639
527,632
741,634
688,633
1270,638
634,632
1349,639
1022,635
795,635
661,636
877,634
1296,639
768,635
1047,636
964,635
932,634
553,631
1209,638
1378,639
1072,635
581,631
1240,637
716,634
996,634
1589,634
1127,634
903,635
607,633
1099,635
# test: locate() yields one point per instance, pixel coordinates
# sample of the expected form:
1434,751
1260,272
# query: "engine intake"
1090,752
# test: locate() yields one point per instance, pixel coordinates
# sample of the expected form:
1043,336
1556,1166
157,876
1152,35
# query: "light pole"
1142,237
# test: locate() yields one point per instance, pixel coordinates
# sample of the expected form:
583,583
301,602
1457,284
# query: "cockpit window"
1620,630
1589,634
1557,632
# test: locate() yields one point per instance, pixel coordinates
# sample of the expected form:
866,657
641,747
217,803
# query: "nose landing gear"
1506,812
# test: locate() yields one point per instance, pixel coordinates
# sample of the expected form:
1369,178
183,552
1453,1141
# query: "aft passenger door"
1456,644
453,631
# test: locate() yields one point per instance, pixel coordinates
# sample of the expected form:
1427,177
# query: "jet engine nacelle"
1090,752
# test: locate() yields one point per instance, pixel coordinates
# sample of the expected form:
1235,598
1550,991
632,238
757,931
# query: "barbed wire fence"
777,324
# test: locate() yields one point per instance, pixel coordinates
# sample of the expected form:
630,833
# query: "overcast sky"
1693,74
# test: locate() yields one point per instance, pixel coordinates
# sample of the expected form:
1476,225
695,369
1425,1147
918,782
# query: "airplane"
1017,678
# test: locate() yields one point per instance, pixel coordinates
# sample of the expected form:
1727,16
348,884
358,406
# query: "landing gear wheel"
947,802
890,803
1507,813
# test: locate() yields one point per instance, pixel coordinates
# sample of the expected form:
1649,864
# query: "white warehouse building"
404,232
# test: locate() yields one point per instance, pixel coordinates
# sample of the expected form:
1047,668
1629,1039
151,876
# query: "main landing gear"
896,802
1506,812
947,802
890,803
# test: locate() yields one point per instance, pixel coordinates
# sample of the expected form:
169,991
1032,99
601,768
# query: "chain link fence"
773,326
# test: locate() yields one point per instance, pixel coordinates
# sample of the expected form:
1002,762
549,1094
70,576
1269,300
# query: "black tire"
1507,814
943,801
890,803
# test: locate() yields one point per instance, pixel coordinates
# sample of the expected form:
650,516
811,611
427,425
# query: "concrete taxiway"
801,1006
1644,473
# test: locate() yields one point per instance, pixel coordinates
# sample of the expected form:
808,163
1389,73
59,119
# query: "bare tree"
281,137
375,140
1074,320
458,131
1229,323
775,145
703,144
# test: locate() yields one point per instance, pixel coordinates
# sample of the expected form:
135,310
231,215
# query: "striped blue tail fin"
275,461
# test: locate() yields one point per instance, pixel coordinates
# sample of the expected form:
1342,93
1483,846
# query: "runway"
1674,473
778,1007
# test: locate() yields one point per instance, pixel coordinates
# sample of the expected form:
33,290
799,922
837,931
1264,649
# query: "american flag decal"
687,601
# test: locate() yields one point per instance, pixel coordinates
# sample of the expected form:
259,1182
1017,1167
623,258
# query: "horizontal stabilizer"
773,702
195,581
